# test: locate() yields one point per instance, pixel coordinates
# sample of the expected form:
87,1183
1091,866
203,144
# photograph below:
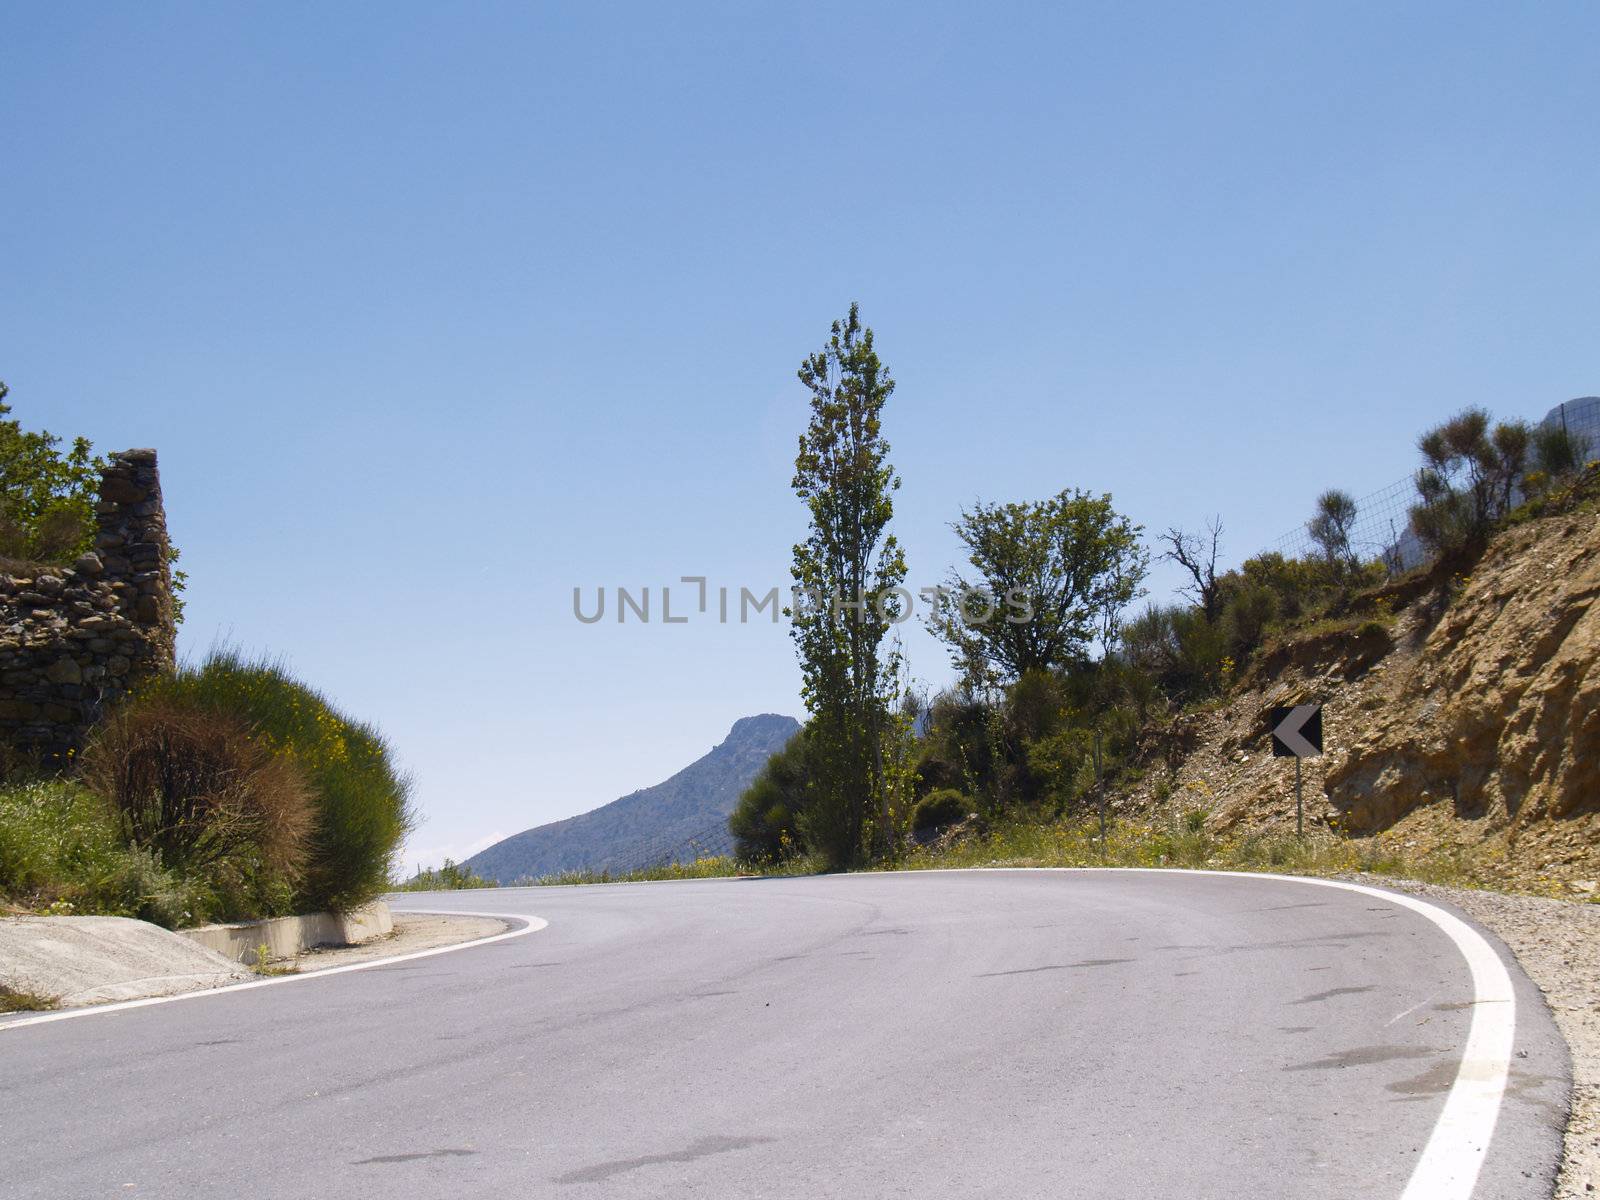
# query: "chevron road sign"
1296,731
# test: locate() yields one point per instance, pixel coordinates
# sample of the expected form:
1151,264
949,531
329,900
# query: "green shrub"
940,808
51,832
14,1001
960,744
61,849
138,886
361,802
1558,451
1180,649
765,821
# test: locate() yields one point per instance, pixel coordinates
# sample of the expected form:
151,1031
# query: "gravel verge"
412,932
1558,944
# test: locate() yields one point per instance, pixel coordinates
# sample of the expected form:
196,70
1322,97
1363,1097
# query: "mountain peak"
762,727
677,819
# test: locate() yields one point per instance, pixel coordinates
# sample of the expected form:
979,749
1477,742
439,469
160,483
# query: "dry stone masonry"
74,640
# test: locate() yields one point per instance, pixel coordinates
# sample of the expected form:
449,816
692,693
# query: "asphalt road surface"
948,1034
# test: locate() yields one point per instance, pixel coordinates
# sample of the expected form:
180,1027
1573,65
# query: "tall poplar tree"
847,576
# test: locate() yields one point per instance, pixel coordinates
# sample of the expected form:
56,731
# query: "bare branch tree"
1197,554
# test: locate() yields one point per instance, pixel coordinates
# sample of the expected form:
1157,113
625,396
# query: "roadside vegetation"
1084,697
62,852
717,867
226,791
222,791
450,877
1185,842
15,1002
1182,843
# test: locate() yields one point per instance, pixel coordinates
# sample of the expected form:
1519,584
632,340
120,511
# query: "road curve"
961,1034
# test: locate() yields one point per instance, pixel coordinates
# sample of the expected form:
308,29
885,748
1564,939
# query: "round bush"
939,808
196,787
360,801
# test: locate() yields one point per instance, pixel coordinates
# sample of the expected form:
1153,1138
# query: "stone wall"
74,640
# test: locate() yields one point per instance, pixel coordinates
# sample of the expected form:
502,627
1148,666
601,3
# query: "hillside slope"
649,826
1466,724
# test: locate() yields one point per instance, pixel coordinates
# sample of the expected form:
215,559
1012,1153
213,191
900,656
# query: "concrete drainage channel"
288,937
492,927
69,962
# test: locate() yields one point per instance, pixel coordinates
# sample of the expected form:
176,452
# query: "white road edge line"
1450,1162
529,925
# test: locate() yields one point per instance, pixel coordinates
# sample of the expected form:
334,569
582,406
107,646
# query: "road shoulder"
1557,944
412,932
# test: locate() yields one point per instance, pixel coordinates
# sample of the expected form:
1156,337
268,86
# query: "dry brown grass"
198,787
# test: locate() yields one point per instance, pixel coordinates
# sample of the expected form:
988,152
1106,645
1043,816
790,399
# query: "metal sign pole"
1299,811
1296,731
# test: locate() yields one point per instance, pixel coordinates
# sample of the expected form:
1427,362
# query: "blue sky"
435,312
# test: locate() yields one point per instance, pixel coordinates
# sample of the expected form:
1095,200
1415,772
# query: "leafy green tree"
47,499
1330,528
47,493
1052,578
848,575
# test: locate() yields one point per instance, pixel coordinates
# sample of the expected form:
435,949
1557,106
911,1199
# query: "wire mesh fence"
662,850
674,847
1382,528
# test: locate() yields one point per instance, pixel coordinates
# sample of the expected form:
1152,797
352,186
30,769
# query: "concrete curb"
286,937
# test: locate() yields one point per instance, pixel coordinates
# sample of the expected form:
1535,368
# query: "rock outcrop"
1468,720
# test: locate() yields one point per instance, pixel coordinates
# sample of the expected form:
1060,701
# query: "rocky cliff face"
677,820
1468,724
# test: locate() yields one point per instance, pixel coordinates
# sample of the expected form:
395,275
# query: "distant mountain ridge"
655,824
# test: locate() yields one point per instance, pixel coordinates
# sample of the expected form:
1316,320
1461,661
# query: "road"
941,1034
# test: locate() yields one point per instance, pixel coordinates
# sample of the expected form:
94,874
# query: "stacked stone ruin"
76,639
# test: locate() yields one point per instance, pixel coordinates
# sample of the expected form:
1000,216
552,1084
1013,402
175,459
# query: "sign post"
1100,792
1297,732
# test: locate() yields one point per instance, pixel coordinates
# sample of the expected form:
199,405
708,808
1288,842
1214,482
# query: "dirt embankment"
1463,720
